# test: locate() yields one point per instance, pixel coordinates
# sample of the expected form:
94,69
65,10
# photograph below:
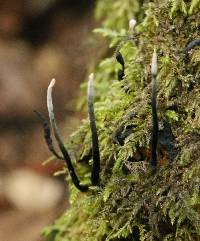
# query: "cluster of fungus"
95,173
95,178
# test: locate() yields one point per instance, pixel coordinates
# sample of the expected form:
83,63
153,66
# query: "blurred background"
39,40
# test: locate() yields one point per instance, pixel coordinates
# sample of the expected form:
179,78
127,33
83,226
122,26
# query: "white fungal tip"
154,64
91,77
90,85
132,24
49,96
90,82
52,83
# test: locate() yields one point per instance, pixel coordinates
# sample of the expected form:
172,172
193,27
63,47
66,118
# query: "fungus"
57,135
120,60
154,141
47,135
132,24
125,38
95,179
95,143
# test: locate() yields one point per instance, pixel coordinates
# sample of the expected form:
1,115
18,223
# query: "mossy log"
132,203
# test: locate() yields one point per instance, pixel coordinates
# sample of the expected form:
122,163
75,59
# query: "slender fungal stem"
95,179
120,74
154,140
57,135
47,135
192,45
120,60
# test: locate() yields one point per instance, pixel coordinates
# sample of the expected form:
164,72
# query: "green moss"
132,203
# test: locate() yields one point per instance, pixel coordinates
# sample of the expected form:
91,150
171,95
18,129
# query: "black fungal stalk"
47,135
54,127
95,143
95,179
154,141
192,45
120,60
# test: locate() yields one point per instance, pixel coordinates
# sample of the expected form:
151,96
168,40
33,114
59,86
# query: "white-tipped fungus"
154,64
132,24
51,112
95,142
90,87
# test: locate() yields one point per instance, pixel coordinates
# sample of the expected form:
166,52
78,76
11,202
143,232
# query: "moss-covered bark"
132,203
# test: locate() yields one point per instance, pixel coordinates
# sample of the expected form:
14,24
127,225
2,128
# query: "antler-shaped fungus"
57,135
95,144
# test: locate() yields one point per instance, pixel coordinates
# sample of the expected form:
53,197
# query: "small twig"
126,38
47,135
154,140
191,45
95,143
57,135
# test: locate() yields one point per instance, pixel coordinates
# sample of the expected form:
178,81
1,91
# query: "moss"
132,203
